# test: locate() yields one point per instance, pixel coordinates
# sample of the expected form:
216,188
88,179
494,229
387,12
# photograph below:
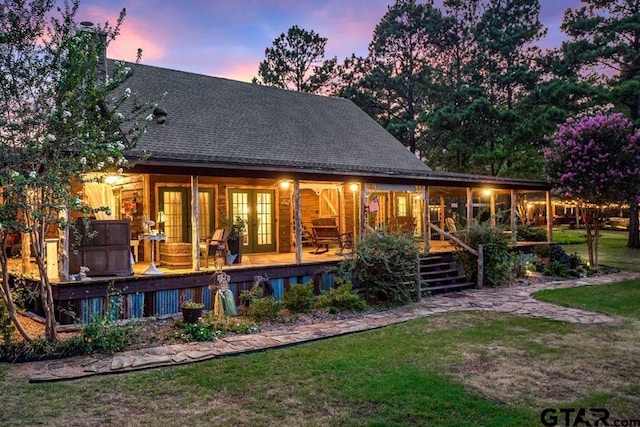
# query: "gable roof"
214,122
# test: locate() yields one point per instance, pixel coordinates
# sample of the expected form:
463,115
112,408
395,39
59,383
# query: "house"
278,159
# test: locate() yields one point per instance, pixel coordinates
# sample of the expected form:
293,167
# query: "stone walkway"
514,299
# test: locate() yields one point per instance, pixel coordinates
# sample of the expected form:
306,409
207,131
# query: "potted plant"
543,253
237,228
191,311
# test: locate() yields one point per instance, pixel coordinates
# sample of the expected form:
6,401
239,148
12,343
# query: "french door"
257,208
175,202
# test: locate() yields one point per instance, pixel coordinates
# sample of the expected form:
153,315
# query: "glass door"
175,202
257,208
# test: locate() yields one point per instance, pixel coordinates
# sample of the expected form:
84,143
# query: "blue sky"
227,38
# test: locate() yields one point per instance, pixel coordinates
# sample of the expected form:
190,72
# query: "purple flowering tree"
595,160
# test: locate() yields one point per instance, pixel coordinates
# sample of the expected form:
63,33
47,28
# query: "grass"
448,370
621,298
612,249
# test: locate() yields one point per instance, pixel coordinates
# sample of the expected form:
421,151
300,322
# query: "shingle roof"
219,121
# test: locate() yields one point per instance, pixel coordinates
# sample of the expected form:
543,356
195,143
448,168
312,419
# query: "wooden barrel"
175,255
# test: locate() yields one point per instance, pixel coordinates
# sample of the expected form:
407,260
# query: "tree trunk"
634,225
11,307
46,294
591,219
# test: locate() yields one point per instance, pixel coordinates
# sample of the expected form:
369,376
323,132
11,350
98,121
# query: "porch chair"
403,224
326,232
217,244
451,225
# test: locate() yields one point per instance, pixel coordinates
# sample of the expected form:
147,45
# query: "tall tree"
403,51
60,119
595,160
475,123
605,46
296,62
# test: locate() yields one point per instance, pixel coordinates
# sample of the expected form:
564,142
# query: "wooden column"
297,218
469,207
363,219
356,219
492,207
195,225
427,218
549,218
514,217
442,216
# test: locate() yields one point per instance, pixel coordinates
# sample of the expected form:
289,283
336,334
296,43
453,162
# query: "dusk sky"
227,38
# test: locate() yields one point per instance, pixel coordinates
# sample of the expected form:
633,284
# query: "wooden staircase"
440,273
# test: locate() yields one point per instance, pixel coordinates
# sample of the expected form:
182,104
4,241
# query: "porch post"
492,208
427,219
514,207
195,225
442,216
363,219
549,218
297,218
353,187
469,207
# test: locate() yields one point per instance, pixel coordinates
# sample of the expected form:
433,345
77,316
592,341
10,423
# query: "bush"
264,308
231,325
341,298
497,260
104,337
34,349
6,327
299,298
381,266
532,234
197,331
74,346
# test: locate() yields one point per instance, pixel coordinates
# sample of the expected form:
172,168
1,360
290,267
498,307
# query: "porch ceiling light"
111,179
285,185
487,192
354,186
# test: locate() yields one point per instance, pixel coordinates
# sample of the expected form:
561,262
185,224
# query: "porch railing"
479,253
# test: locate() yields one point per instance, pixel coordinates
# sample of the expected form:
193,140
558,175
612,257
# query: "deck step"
444,279
437,265
457,286
439,272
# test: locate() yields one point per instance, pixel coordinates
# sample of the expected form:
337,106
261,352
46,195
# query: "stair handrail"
478,253
454,238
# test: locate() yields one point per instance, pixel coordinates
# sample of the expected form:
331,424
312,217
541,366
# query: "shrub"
299,298
197,331
105,337
231,325
341,298
264,308
36,348
557,269
74,346
381,265
6,327
532,234
497,266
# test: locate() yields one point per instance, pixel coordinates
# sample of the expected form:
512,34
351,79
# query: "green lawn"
621,298
613,251
456,369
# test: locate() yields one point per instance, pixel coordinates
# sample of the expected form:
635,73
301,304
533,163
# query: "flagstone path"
514,299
